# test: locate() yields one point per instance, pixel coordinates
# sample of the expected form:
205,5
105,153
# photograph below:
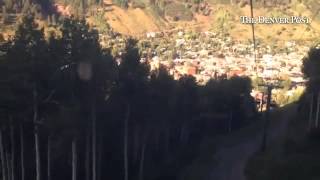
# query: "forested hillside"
70,110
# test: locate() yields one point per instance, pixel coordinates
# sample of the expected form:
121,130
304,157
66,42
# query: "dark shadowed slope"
233,150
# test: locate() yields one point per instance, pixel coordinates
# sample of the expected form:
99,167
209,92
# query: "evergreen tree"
94,70
133,77
310,69
29,68
90,114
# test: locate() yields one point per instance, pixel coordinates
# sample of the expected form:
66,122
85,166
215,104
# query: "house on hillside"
190,70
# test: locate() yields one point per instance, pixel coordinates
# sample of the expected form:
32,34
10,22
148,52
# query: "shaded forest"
70,110
298,157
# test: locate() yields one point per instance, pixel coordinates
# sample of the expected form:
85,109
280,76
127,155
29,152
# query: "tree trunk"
141,168
2,154
253,37
167,141
94,145
311,112
36,134
49,158
12,152
136,144
22,153
87,160
186,134
261,103
230,122
317,112
267,120
183,133
38,169
74,159
99,159
157,140
125,142
8,165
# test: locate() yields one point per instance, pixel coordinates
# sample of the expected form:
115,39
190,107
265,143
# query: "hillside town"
209,55
206,55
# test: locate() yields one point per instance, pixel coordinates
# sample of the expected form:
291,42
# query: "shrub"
179,11
223,19
158,11
279,32
196,1
138,4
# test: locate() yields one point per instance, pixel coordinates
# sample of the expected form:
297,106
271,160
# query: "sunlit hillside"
137,21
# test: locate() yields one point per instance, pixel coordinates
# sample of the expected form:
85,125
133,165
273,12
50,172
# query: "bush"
196,1
279,32
158,11
223,19
175,18
138,4
179,11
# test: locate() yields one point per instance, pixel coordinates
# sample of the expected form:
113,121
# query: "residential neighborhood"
208,55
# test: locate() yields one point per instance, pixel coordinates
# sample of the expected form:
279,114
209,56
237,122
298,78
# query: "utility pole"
267,115
261,102
317,112
253,38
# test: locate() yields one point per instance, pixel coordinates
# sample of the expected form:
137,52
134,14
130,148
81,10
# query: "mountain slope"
137,21
233,150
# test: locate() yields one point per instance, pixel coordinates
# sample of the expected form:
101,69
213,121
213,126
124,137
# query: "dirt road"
234,150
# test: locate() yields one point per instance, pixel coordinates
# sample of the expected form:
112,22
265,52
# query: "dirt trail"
235,149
